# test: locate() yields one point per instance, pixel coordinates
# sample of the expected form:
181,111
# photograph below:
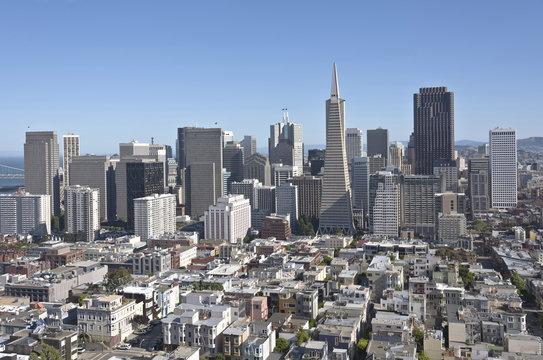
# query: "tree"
517,281
361,346
117,278
422,356
281,346
219,357
467,276
302,337
55,222
312,323
80,300
419,337
47,352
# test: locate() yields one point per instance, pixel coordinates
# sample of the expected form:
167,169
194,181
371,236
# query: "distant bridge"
10,172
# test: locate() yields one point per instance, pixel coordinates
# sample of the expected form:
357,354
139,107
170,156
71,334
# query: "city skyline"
80,77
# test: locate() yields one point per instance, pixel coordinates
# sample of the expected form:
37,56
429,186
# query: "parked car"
124,346
141,331
155,322
134,341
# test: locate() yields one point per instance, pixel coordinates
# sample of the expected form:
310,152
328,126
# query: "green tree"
517,281
281,346
422,356
467,276
47,352
478,225
312,323
419,337
117,278
219,357
55,222
80,300
302,337
361,347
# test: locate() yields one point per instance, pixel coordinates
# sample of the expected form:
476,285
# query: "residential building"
309,195
384,212
82,212
277,226
418,204
336,206
503,168
25,214
154,215
382,275
151,262
229,220
106,317
447,168
478,185
433,111
451,227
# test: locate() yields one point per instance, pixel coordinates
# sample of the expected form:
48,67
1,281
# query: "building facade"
353,143
154,215
25,214
229,220
142,179
378,141
82,212
309,195
503,168
287,202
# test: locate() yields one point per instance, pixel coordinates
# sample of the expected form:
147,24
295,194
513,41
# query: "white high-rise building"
70,149
353,143
280,173
25,214
336,206
154,215
386,210
229,219
82,213
287,202
503,168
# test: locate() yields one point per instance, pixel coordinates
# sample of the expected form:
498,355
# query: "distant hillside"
468,143
534,144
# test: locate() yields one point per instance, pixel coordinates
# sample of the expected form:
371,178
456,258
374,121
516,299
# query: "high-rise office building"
82,210
249,145
229,219
257,166
447,169
309,195
287,202
377,163
232,160
41,163
142,179
285,144
70,149
360,170
353,143
227,137
25,214
396,155
503,168
417,194
226,182
154,215
92,171
246,187
433,111
281,172
384,211
378,143
200,154
478,182
336,207
316,161
265,198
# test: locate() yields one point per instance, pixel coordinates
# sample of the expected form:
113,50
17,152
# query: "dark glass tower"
142,179
433,111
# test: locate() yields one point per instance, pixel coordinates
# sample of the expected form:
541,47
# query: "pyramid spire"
335,87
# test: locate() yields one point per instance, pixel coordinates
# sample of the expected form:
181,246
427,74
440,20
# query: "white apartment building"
154,215
201,326
229,220
25,214
503,168
107,318
287,202
151,262
70,149
386,210
82,210
353,143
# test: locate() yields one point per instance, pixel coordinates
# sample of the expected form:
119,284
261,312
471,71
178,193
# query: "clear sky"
113,70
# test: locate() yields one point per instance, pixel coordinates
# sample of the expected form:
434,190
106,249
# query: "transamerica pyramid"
336,207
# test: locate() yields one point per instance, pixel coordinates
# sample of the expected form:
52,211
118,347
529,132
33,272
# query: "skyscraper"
249,145
142,179
396,155
478,181
309,195
384,215
232,159
41,160
418,204
200,154
25,214
360,169
378,143
82,210
287,202
285,144
70,149
257,166
503,168
433,111
353,143
336,207
448,169
154,215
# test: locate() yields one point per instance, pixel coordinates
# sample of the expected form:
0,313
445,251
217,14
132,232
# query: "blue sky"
116,70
